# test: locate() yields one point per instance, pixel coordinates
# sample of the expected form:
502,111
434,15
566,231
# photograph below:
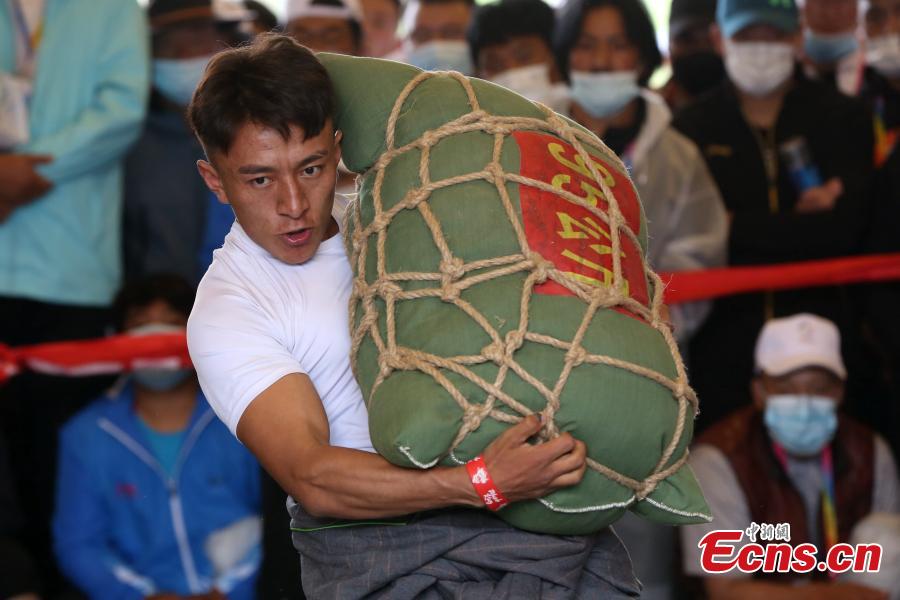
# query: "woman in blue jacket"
155,498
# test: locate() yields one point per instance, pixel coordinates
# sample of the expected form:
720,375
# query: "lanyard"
829,512
28,40
885,139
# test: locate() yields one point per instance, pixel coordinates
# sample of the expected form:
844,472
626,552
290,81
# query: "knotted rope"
455,275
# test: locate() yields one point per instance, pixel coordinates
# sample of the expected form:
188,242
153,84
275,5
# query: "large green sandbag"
488,286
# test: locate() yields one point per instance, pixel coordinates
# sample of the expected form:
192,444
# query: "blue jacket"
124,529
88,102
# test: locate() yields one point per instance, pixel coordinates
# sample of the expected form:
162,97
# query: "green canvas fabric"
626,419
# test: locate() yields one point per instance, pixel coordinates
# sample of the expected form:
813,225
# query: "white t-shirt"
257,319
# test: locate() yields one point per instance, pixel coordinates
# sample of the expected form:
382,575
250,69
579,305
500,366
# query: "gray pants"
455,553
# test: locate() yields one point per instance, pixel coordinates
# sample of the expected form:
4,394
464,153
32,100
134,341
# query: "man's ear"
843,390
796,40
338,136
758,391
715,35
211,178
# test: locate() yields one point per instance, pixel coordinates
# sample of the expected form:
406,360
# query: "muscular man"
270,340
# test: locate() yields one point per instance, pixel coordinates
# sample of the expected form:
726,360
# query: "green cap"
734,15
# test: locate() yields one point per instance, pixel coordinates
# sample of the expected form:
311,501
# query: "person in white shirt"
269,337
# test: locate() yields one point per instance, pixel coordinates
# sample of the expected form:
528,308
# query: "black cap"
165,13
686,13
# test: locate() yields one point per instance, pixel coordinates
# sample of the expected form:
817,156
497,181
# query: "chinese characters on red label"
568,234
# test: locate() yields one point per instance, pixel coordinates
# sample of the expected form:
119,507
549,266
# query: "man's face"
883,18
519,51
690,40
811,381
189,40
603,44
379,25
441,21
324,34
830,16
281,190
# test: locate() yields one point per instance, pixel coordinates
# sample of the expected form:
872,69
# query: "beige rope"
454,276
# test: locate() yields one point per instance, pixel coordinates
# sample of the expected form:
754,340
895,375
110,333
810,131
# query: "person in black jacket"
792,159
881,92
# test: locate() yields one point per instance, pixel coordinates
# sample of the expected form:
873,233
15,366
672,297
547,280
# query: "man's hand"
523,471
820,198
20,182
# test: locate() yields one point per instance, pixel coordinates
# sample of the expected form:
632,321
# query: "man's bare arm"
287,429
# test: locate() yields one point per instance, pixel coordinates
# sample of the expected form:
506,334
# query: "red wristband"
481,480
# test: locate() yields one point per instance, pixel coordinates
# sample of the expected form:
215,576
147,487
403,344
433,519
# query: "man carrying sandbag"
269,338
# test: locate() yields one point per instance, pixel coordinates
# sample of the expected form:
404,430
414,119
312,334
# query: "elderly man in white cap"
791,457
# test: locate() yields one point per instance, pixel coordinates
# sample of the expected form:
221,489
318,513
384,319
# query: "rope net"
455,275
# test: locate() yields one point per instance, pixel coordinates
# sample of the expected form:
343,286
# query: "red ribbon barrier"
687,286
110,355
124,353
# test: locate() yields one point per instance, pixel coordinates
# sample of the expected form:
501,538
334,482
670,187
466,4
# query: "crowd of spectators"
773,140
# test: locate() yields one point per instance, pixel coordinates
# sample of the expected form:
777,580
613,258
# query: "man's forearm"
287,429
352,484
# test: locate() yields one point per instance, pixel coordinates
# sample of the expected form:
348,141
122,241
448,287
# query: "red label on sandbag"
569,235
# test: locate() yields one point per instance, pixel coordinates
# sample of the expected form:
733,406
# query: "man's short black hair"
500,22
638,28
273,82
142,292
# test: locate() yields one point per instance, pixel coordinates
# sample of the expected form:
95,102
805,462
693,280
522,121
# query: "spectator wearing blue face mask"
155,498
788,456
170,217
608,50
831,45
435,35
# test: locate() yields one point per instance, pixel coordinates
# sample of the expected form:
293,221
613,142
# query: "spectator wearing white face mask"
792,158
512,45
435,35
882,22
608,49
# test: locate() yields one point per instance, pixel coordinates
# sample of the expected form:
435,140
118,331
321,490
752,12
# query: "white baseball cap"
803,340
